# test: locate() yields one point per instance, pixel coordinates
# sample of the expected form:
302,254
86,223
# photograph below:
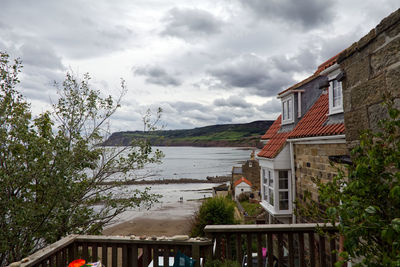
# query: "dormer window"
335,97
287,109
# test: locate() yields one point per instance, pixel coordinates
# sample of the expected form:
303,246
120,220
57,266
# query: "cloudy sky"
204,62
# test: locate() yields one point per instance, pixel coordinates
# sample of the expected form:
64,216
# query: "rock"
180,237
15,264
133,237
143,237
153,238
24,260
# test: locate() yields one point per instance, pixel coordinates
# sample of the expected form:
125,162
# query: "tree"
54,174
365,198
216,210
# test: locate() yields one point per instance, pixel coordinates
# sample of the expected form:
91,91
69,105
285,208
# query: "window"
276,191
335,97
287,110
283,190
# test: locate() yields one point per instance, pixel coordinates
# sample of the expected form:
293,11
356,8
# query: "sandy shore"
169,220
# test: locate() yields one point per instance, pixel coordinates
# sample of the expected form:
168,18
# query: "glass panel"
336,93
283,180
283,200
289,114
265,188
271,197
271,179
265,181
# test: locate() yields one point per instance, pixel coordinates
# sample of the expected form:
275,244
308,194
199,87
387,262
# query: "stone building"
372,69
250,170
301,140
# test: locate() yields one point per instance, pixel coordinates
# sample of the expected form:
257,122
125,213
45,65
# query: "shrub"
217,210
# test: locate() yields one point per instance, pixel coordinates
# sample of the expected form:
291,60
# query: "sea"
185,162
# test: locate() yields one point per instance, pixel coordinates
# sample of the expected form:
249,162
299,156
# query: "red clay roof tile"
312,124
273,129
242,180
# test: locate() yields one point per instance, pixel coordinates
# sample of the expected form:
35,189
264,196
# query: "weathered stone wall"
372,68
251,171
311,161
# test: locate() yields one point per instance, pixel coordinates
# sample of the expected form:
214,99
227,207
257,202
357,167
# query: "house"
250,169
242,186
301,140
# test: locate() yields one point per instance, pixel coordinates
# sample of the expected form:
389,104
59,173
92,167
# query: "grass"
252,209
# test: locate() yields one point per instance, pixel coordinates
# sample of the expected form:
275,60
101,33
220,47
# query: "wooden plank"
155,255
146,255
104,254
266,228
280,250
218,246
85,252
166,256
134,251
64,257
333,251
259,251
124,255
59,258
114,255
311,245
196,254
52,261
71,255
301,250
291,249
322,254
249,250
95,252
228,246
239,255
270,250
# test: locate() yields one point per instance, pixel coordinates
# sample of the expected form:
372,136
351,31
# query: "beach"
168,220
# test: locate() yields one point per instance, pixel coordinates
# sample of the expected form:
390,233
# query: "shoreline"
216,179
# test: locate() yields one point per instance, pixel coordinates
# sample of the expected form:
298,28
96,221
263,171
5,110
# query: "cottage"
242,186
300,141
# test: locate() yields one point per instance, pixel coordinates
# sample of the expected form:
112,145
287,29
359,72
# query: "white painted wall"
241,188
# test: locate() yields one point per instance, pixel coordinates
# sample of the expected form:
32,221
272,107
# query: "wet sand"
173,219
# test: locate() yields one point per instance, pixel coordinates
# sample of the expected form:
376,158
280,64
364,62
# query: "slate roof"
242,180
314,121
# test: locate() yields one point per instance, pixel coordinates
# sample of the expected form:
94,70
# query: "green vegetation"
51,168
216,210
252,209
365,198
247,134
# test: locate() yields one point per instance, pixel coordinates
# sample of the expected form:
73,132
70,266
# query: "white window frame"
273,186
332,108
288,103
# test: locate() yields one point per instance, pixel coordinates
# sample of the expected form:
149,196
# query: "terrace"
290,245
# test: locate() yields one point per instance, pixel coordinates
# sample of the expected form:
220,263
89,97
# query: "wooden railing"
285,244
117,251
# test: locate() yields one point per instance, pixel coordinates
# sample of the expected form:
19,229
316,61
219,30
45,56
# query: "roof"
314,121
236,170
273,129
242,180
321,68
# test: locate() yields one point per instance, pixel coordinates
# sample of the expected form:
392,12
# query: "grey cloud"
271,106
232,101
252,72
189,23
307,13
40,55
157,75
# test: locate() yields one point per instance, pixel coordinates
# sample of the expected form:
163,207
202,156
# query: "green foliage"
252,209
230,133
216,210
365,199
51,167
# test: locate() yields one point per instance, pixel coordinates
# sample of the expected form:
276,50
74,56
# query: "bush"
217,210
245,196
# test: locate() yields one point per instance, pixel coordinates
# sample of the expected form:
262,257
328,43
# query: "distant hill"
244,135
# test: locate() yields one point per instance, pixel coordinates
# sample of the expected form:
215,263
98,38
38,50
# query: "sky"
203,62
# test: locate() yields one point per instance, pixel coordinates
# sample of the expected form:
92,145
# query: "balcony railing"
283,244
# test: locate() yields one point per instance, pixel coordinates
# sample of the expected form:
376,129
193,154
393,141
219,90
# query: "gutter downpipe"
293,180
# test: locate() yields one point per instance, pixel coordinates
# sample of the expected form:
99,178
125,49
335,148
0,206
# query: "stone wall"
372,68
251,171
311,161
